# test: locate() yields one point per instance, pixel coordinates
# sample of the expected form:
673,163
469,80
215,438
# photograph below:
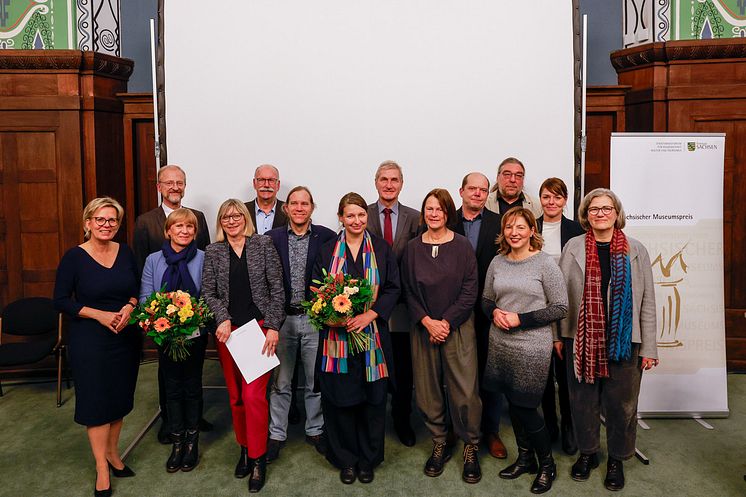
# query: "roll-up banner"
671,187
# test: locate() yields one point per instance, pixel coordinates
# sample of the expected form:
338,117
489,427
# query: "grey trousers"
453,364
615,397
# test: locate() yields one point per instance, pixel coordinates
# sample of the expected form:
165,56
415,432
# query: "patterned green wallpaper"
60,24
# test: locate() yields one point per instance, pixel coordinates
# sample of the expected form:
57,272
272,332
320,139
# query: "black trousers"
354,434
182,382
401,399
615,397
557,369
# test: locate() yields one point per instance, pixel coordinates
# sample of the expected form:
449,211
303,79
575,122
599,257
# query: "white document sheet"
245,345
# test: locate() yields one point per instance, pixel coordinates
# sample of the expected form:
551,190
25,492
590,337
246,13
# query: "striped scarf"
592,352
335,351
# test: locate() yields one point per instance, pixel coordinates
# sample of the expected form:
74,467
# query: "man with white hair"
266,211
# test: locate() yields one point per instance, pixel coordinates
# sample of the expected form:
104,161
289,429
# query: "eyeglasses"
231,217
171,184
605,210
508,175
269,181
101,221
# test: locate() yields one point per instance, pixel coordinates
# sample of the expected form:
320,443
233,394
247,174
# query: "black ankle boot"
546,475
614,474
526,463
243,466
472,473
258,474
542,444
177,452
191,450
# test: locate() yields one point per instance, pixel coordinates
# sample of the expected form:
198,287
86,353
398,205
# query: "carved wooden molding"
61,60
664,52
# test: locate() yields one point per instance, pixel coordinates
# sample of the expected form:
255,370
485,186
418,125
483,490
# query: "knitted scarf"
177,276
335,351
592,352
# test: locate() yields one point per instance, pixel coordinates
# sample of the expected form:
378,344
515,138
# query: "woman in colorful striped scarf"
608,336
354,387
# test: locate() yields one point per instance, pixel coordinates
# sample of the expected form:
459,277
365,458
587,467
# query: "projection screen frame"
577,96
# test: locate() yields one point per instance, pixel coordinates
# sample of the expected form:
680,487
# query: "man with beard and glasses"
508,190
266,211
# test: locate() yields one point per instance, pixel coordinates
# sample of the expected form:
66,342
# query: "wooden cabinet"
60,146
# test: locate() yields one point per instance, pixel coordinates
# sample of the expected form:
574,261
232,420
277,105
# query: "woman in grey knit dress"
524,292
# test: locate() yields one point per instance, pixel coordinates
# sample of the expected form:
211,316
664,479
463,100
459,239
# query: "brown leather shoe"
496,447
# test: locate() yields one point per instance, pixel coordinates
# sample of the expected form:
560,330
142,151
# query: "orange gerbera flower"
161,325
180,299
342,304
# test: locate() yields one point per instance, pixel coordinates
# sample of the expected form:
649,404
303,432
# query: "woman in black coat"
353,393
557,230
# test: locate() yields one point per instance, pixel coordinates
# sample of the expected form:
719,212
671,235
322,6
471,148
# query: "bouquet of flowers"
170,319
337,298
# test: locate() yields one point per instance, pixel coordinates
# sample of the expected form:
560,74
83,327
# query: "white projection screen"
326,90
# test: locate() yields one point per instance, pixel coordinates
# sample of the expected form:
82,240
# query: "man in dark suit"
149,237
266,211
481,227
397,224
298,245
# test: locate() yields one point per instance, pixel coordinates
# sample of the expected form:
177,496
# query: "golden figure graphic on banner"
671,274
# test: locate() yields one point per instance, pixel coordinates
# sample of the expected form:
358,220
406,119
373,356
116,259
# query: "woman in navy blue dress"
97,287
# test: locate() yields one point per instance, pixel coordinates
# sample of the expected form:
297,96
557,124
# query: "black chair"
36,320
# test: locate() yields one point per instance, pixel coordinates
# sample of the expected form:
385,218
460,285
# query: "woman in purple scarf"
178,266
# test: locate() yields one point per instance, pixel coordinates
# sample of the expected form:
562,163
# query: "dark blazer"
149,237
407,226
281,218
486,246
319,236
265,278
568,229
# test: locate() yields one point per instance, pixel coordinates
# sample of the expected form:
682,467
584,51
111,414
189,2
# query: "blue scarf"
176,276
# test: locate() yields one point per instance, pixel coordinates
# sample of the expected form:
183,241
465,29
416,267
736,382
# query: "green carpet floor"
45,454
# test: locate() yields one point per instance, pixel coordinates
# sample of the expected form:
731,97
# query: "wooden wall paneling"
606,113
139,154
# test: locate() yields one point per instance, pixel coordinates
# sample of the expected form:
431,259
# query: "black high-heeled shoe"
125,472
101,493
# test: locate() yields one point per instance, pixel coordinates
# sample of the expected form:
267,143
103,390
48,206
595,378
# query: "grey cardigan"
572,264
265,278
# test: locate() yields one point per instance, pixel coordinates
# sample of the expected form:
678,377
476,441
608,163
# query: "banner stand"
671,187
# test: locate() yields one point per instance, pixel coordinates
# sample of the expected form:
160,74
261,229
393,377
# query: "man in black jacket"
481,227
298,244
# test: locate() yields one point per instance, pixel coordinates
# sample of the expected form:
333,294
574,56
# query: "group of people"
500,298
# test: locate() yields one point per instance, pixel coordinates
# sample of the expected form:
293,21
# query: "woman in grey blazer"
241,281
609,333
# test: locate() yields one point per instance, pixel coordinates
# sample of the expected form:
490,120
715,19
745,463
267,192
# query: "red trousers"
249,404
